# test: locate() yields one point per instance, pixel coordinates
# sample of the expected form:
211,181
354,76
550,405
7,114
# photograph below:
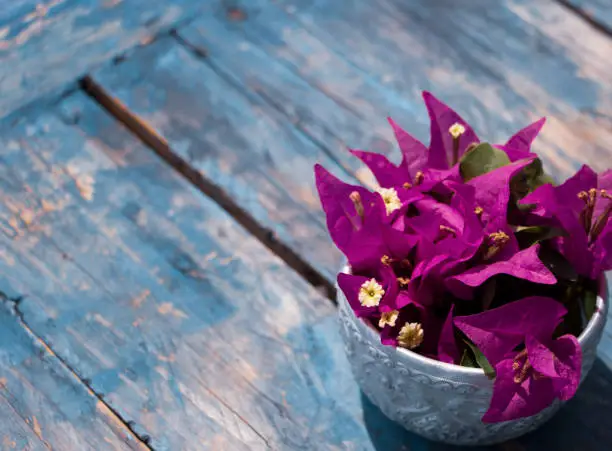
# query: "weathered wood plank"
46,45
42,404
596,12
185,324
234,139
502,69
346,111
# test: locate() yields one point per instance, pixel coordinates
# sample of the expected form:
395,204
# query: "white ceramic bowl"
437,400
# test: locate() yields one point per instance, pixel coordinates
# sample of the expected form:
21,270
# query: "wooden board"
47,45
596,12
339,108
185,324
241,144
501,69
43,405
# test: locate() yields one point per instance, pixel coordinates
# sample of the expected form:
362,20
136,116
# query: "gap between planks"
588,18
149,136
14,302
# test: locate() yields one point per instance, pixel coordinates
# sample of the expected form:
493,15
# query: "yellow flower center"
410,335
403,281
390,198
523,369
497,240
370,293
456,130
418,178
388,318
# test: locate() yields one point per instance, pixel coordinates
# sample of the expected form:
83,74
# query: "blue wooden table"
165,273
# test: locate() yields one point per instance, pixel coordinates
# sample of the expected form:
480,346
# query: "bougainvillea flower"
445,234
582,207
450,134
359,223
529,379
368,296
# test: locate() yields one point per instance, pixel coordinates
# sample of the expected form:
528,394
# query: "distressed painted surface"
249,149
503,64
42,405
185,324
346,111
599,11
46,45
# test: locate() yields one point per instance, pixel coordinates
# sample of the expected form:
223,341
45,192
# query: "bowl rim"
596,322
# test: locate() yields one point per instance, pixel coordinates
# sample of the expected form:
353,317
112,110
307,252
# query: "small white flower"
390,198
456,130
388,318
370,293
410,336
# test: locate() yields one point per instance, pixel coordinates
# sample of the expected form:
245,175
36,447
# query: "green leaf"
530,178
481,159
481,360
543,180
590,303
467,359
528,236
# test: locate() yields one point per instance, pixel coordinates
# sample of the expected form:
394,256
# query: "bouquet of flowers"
469,253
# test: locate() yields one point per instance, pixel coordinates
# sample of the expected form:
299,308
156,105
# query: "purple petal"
413,151
493,192
604,181
498,331
521,140
512,400
387,174
339,209
540,357
561,361
602,253
447,346
389,282
566,195
365,241
441,145
568,365
523,265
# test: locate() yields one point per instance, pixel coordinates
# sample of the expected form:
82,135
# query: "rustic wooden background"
165,273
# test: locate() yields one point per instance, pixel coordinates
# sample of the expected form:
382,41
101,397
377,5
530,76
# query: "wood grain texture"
187,326
46,45
255,154
502,65
43,406
596,12
339,109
